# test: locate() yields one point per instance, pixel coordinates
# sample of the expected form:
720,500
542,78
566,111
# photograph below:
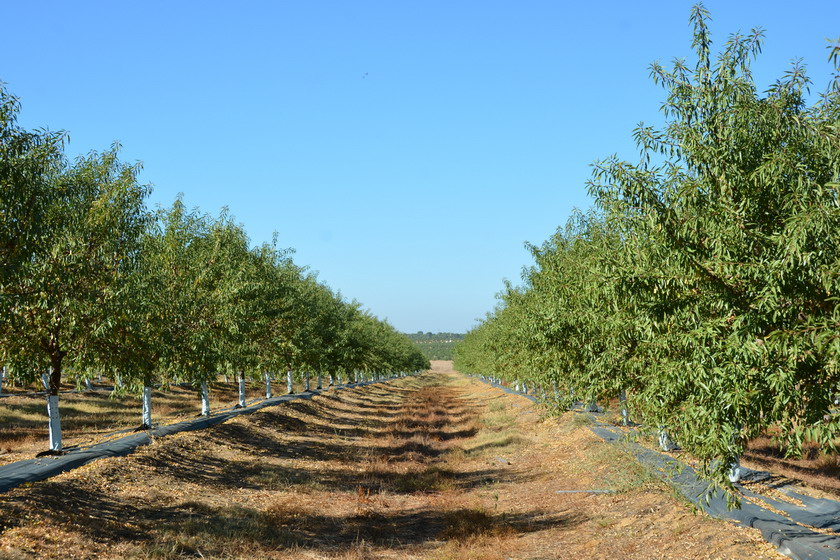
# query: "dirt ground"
90,417
437,466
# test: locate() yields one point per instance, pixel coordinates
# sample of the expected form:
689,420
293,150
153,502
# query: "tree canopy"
705,281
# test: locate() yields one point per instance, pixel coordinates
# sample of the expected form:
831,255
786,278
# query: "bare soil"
437,466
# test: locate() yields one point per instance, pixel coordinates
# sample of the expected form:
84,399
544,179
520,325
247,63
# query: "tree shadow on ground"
199,527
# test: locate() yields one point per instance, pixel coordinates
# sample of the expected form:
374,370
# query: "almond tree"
28,160
61,316
710,288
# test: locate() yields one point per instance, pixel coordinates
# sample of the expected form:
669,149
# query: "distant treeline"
436,346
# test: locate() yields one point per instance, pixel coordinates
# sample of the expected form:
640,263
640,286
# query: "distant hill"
436,346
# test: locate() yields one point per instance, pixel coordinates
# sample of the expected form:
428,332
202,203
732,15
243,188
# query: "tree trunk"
306,382
625,414
54,383
205,399
55,422
735,470
290,382
147,407
2,378
267,385
88,385
735,466
319,386
665,442
242,389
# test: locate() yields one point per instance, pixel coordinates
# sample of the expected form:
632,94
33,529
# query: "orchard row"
92,281
704,284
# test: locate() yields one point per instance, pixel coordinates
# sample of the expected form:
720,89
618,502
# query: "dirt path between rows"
438,466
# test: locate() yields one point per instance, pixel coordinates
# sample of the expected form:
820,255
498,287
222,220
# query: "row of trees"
704,285
436,346
92,281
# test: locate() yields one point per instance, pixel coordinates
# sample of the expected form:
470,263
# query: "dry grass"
814,469
433,467
88,417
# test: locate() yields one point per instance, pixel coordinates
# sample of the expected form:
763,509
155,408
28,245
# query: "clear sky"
405,149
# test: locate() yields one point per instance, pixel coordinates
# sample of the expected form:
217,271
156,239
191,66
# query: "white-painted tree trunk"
242,389
524,388
55,422
267,385
2,378
88,385
735,470
205,399
332,382
306,381
45,381
665,441
147,407
319,386
625,414
735,466
290,382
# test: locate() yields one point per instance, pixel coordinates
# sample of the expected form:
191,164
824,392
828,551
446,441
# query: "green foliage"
706,281
65,290
90,280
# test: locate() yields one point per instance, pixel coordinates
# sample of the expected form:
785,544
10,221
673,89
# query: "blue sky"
406,150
